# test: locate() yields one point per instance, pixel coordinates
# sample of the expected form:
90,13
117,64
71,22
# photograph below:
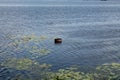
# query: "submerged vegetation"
23,64
42,71
30,44
103,72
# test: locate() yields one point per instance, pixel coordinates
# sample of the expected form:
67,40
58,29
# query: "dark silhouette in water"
58,40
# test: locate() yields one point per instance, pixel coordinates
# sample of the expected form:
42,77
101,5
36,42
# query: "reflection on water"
90,36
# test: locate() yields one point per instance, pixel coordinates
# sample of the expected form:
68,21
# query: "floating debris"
58,40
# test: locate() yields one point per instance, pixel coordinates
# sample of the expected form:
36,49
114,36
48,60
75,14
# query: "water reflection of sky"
90,33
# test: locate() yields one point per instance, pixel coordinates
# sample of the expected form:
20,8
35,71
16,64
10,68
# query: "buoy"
58,40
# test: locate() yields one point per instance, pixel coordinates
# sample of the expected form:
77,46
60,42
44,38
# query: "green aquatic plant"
24,64
109,71
31,44
103,72
34,48
28,65
22,77
32,37
27,38
39,51
44,51
43,37
19,64
65,74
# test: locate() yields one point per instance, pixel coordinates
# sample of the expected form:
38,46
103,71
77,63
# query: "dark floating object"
58,40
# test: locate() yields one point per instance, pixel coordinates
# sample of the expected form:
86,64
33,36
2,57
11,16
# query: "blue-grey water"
91,34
